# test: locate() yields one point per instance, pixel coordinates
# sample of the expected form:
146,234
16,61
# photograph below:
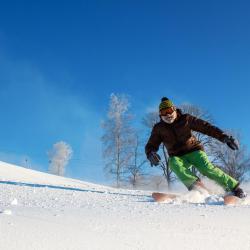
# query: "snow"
42,211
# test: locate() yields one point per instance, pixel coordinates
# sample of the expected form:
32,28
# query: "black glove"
154,158
231,143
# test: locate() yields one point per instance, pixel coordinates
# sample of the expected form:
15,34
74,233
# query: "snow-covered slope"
42,211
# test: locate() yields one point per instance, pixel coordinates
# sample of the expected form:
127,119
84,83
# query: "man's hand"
231,143
154,158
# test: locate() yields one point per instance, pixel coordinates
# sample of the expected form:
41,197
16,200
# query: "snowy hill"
42,211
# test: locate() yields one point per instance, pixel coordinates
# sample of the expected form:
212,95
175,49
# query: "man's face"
169,115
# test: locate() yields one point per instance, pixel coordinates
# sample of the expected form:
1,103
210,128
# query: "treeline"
123,147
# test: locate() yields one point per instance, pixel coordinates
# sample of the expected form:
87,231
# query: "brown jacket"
178,138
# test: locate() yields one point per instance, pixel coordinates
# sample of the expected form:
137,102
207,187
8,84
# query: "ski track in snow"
42,211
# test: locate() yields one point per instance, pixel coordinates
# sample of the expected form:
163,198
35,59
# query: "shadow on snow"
34,185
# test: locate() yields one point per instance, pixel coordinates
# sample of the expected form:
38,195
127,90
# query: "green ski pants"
180,165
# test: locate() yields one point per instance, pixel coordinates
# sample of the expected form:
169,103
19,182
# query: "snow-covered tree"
59,157
118,137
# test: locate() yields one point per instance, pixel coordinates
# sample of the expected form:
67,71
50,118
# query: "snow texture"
41,211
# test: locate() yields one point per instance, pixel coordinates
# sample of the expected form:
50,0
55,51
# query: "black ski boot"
239,192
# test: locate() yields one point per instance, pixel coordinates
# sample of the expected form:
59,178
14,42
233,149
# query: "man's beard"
169,118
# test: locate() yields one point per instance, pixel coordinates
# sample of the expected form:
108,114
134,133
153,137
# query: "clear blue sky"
61,60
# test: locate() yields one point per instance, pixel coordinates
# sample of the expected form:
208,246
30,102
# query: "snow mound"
10,172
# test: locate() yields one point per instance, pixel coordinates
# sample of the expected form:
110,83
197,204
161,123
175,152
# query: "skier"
175,131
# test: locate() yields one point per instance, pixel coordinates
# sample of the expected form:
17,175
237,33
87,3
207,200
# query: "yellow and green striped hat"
165,103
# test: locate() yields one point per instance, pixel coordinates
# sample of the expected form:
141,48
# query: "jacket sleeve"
206,128
154,141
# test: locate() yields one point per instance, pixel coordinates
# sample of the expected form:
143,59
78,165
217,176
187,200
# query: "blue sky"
59,63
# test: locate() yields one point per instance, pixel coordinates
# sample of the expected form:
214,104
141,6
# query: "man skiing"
175,131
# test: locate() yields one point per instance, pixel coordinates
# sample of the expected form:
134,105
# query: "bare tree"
59,157
167,172
136,171
118,137
207,141
157,181
149,120
198,112
235,163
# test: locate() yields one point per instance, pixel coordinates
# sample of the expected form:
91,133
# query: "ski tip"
163,197
231,200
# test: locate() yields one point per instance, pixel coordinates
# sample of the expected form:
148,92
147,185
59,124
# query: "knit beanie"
165,103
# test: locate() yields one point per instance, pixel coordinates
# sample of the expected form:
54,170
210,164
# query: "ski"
232,200
163,197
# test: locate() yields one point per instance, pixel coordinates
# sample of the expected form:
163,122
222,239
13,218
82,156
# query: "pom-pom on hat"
165,103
